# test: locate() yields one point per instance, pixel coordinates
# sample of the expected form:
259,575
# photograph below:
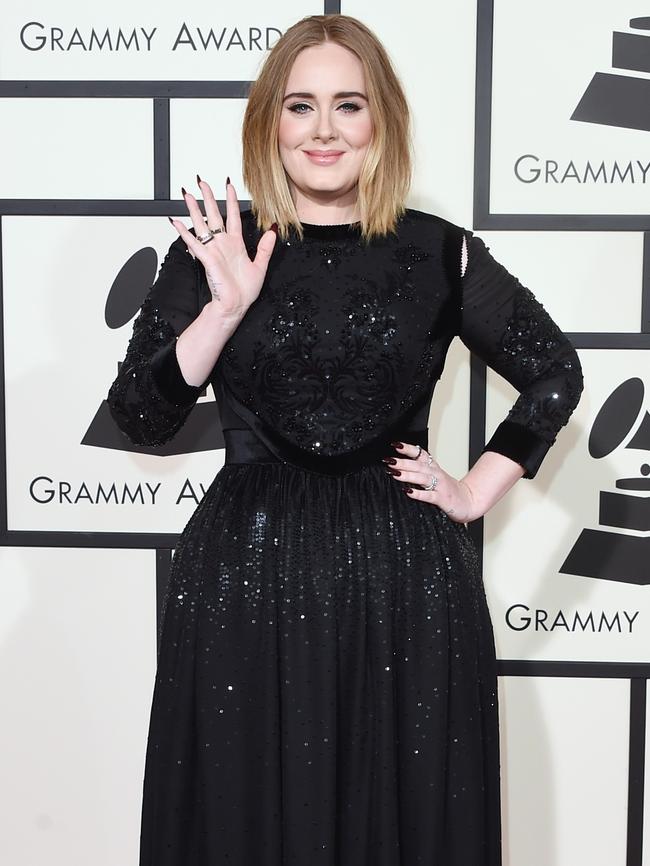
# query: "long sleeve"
504,324
149,399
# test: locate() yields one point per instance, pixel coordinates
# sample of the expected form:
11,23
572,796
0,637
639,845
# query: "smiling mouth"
323,157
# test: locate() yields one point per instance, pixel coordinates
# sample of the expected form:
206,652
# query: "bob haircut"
383,183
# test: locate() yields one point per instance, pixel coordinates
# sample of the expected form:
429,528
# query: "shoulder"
425,224
423,217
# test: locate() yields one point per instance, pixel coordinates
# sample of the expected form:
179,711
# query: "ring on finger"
419,452
215,231
434,482
205,239
430,460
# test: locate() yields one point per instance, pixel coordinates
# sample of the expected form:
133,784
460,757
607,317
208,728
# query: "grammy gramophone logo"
622,100
202,430
620,548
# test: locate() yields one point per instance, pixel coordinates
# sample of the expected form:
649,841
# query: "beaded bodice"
346,340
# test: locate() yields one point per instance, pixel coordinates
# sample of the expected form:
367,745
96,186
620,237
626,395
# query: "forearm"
199,346
489,479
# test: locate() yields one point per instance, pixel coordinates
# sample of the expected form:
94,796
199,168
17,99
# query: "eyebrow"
343,94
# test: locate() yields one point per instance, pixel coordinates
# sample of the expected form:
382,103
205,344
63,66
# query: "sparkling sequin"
326,683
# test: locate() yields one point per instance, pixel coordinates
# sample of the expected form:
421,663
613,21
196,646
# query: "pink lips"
323,157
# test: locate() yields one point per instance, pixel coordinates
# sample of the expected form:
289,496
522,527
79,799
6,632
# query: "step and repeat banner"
532,128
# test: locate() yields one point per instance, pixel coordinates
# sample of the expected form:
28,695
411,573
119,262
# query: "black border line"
97,207
636,771
476,443
561,222
161,149
4,493
580,670
483,218
85,540
645,291
584,340
483,110
124,89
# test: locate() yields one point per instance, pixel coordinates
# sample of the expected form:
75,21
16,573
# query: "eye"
348,107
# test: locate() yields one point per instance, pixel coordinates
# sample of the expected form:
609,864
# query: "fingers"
406,449
193,246
233,217
416,465
195,213
415,472
212,212
265,248
418,468
199,224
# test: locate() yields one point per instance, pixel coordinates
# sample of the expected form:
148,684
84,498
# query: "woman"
326,689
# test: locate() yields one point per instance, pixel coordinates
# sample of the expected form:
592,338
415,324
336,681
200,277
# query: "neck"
342,211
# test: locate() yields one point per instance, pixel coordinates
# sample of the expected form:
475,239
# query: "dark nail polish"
227,181
274,228
170,220
397,444
184,191
198,179
408,490
394,471
389,460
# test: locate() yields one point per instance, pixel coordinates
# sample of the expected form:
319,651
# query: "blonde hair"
383,182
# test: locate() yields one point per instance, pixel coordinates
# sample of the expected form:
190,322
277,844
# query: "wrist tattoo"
213,284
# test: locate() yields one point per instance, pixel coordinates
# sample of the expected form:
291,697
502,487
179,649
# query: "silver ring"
419,452
216,231
430,460
432,486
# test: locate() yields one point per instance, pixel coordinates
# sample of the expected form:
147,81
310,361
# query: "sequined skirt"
326,684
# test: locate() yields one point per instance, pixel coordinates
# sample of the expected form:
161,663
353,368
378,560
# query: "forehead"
326,67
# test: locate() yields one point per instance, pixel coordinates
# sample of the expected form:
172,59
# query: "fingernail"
408,490
184,191
394,471
198,179
170,220
397,444
274,228
389,460
227,181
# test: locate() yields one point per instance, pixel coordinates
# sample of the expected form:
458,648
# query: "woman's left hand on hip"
416,469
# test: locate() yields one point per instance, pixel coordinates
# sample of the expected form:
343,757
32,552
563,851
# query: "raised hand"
234,280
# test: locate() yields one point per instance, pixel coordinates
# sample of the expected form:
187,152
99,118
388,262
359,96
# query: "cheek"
288,133
362,133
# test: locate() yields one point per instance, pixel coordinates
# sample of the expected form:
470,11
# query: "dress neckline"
331,231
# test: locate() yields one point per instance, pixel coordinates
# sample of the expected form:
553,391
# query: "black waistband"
244,446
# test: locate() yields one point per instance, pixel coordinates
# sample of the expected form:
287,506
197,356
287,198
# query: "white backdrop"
105,114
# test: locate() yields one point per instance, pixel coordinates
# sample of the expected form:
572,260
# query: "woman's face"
325,109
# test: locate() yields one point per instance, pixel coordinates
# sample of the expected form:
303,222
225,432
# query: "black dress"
326,691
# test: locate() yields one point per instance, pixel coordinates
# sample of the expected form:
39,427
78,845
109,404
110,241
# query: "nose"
324,128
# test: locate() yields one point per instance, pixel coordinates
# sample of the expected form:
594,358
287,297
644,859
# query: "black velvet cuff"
519,444
169,380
